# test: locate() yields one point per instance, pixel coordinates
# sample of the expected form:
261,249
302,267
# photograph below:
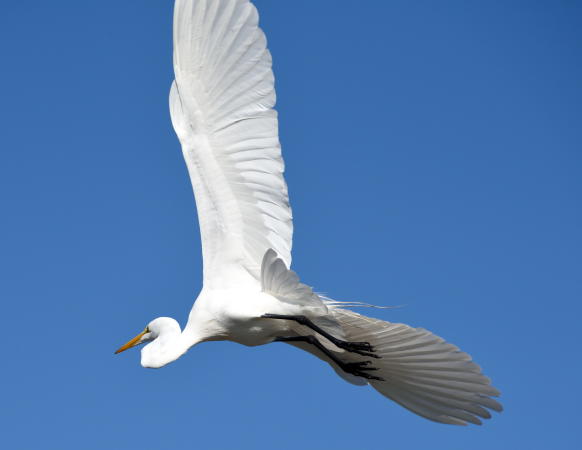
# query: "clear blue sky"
433,156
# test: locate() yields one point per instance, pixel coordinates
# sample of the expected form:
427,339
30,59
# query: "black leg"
359,369
361,348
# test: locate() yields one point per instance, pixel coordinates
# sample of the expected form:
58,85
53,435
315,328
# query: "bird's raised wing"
221,104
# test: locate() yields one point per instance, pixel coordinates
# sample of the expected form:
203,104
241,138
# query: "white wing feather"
221,104
284,284
421,371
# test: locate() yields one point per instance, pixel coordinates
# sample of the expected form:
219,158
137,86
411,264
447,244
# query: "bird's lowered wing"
221,104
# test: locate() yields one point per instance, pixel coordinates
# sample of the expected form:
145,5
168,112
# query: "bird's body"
236,316
221,105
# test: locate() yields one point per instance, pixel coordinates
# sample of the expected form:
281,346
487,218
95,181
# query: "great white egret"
221,104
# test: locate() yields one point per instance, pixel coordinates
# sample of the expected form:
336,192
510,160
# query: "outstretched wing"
221,104
421,371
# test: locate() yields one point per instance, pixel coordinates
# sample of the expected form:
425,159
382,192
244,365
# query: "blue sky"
433,155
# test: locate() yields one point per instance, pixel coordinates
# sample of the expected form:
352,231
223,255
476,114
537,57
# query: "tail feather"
421,371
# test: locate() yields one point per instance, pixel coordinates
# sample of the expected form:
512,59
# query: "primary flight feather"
221,104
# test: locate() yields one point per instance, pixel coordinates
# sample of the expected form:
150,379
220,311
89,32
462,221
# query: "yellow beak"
135,341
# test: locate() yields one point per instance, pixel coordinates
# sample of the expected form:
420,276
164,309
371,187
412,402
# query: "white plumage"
423,372
221,104
222,109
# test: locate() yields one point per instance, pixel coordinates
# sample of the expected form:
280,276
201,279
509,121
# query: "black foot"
361,369
361,348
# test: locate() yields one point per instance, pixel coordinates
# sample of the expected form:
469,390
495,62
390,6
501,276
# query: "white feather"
421,371
284,284
221,104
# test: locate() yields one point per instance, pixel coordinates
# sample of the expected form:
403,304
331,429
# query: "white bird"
221,104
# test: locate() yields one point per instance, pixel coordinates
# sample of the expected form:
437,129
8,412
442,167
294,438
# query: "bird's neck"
166,348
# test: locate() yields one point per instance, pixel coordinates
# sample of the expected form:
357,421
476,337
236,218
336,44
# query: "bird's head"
164,331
